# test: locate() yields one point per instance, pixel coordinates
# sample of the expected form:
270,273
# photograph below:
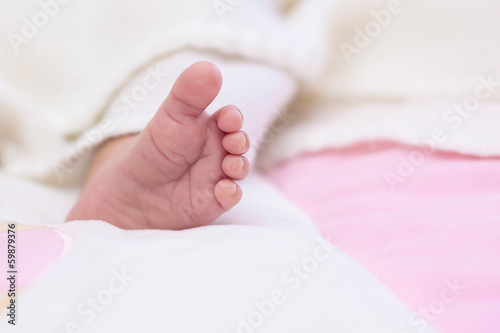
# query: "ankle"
109,151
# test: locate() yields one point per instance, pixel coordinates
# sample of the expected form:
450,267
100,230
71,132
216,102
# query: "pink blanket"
427,224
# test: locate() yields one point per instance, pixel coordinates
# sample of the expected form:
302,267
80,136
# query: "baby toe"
230,119
235,166
236,143
227,193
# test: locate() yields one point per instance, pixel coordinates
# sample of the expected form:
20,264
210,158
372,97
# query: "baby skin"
179,171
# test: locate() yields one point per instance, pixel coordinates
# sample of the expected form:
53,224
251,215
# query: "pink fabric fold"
35,251
427,224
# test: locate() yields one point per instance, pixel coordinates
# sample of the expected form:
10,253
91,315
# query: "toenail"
230,186
241,164
241,114
245,142
234,189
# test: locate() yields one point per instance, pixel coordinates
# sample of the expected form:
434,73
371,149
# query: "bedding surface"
262,267
427,224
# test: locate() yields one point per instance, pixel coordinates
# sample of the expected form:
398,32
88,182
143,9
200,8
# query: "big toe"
193,91
175,131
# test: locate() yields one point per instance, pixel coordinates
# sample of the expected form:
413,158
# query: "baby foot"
178,173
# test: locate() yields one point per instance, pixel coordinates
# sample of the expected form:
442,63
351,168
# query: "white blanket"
237,275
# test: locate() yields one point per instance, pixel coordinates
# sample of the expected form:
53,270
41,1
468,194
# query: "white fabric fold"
221,278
